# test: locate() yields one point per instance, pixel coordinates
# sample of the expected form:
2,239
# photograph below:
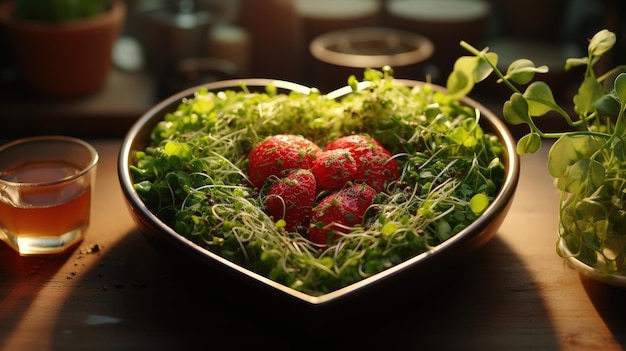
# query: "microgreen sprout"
588,161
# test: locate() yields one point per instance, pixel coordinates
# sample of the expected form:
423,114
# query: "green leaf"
601,42
515,110
181,178
389,228
620,87
583,176
143,187
478,203
575,62
181,150
467,71
444,231
619,149
620,92
58,11
540,99
458,135
353,83
483,69
459,84
202,106
470,142
569,149
529,144
522,71
596,174
589,92
608,105
466,64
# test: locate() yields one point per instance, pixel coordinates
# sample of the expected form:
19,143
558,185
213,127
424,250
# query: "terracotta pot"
68,59
275,33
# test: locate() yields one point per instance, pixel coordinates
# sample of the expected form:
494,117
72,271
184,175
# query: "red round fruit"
352,141
334,168
292,198
375,165
335,212
278,154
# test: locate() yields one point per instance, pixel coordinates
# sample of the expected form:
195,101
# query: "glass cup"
45,193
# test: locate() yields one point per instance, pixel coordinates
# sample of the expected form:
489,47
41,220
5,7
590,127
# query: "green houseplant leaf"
515,110
584,175
620,90
620,87
523,71
467,71
57,11
569,149
529,144
540,99
608,105
589,92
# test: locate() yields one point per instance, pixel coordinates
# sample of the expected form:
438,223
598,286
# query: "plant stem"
482,56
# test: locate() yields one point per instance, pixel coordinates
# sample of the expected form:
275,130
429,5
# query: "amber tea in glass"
45,193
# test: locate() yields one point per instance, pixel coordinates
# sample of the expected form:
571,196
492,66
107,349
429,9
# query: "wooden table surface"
116,291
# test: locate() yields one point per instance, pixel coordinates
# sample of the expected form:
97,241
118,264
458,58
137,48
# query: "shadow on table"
155,301
610,302
20,280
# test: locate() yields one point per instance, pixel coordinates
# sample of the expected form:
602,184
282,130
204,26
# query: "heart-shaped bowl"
435,262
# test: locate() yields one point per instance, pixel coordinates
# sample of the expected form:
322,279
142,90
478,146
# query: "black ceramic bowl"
423,267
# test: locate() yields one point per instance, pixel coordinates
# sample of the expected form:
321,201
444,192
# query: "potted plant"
587,161
62,47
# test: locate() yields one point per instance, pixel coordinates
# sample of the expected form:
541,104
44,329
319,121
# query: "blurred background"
165,46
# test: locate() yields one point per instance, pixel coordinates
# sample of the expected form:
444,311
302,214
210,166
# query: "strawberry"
351,142
346,207
333,168
291,198
280,153
375,165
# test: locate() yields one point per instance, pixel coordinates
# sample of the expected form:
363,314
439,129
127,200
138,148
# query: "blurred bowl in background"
341,53
324,16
